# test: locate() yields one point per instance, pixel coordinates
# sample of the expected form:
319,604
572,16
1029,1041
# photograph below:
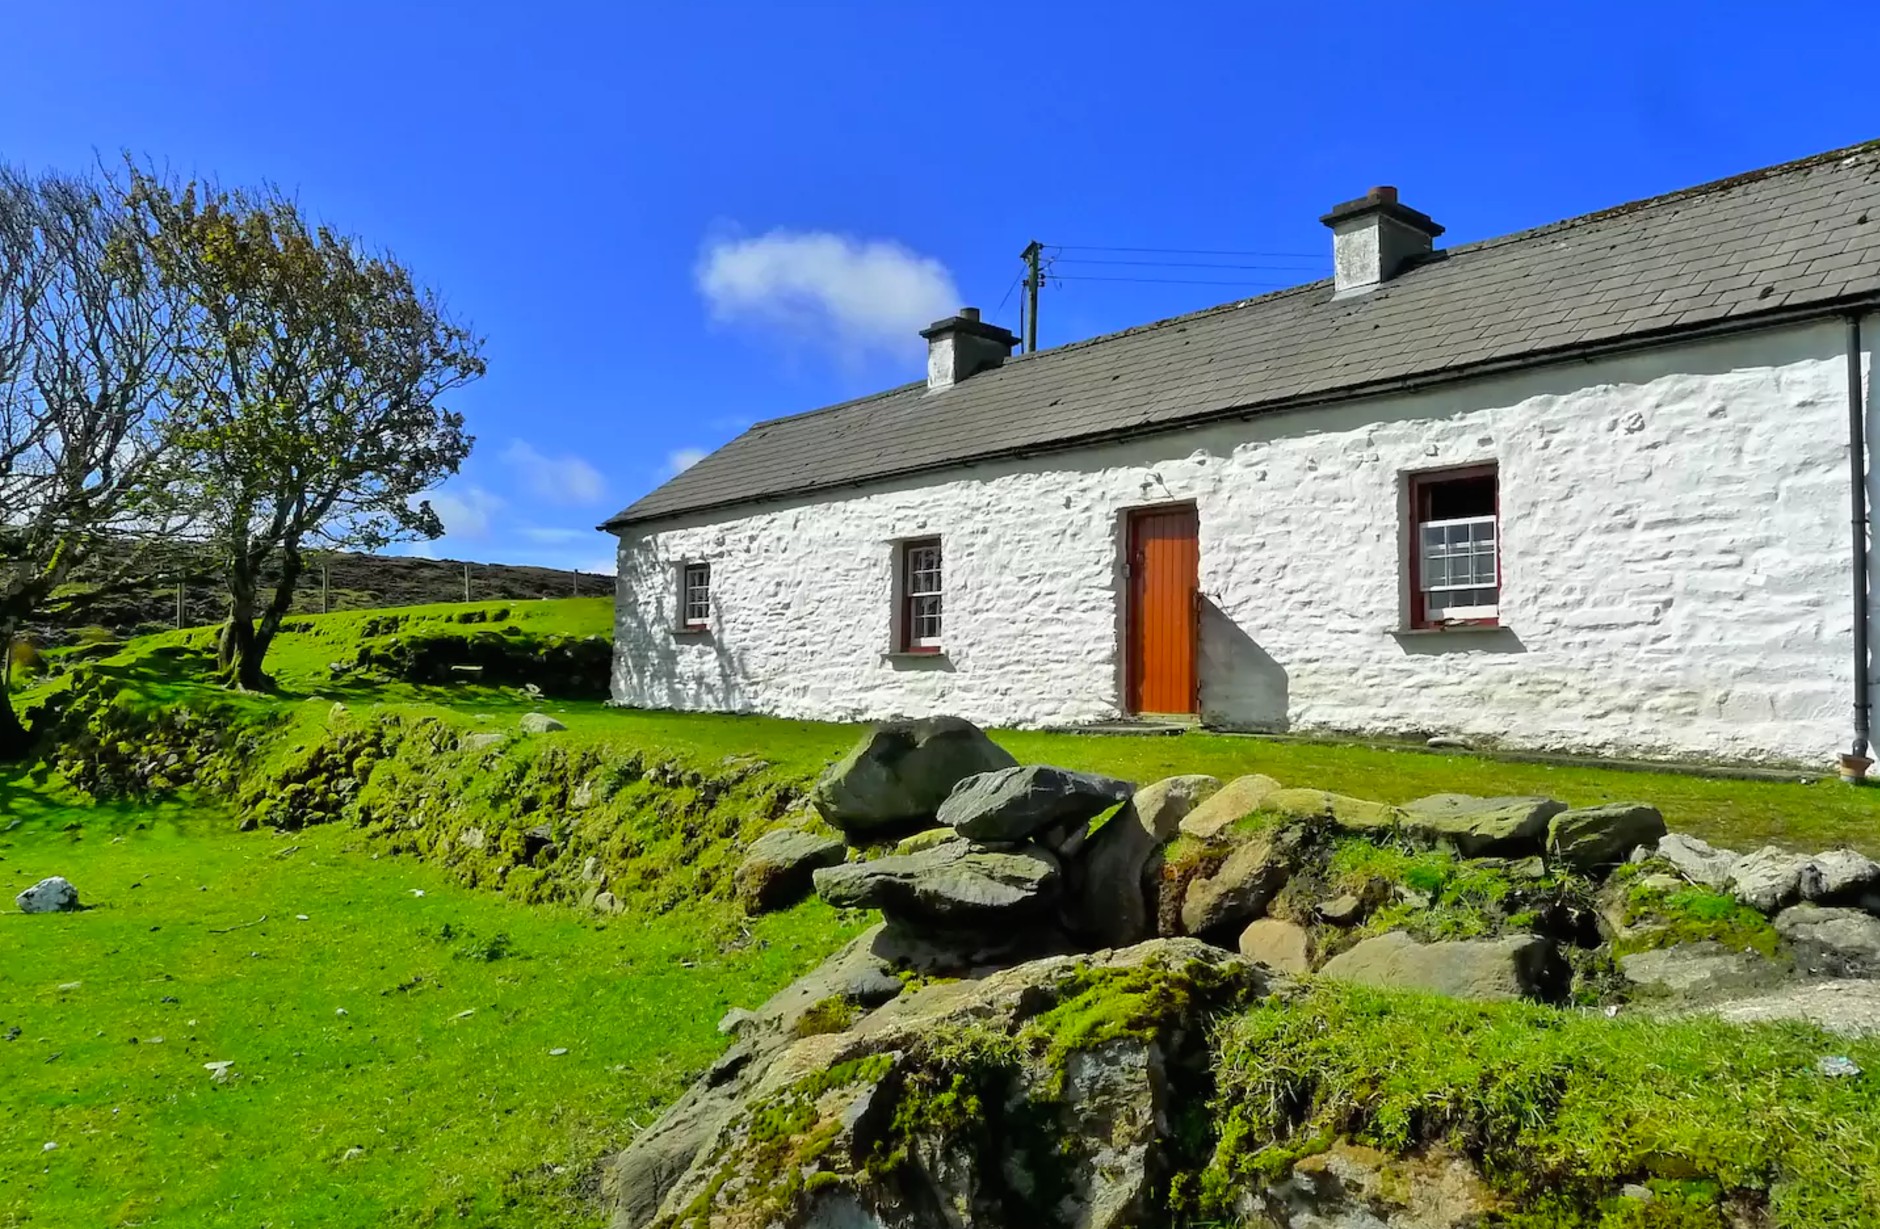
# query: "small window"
695,595
920,596
1455,560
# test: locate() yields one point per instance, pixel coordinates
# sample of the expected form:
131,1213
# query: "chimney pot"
961,345
1374,238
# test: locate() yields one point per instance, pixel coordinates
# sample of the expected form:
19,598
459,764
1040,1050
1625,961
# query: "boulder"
481,741
776,870
1698,861
1524,966
1477,827
1347,909
53,895
1013,804
1284,947
1109,902
952,885
1839,876
1350,1186
861,975
1234,801
1347,814
540,723
1240,888
900,773
1590,839
1704,969
1832,942
711,1160
1768,879
926,839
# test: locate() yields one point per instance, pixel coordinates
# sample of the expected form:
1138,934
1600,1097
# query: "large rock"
540,723
1349,1186
1850,1007
776,870
1840,876
54,895
953,885
1002,1166
1590,839
1478,827
1831,942
900,773
1341,811
1524,966
1233,802
1704,969
1769,879
1241,887
1698,861
1109,900
1012,804
1284,947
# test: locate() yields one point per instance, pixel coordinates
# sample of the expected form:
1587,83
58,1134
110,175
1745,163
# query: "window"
920,596
695,596
1455,557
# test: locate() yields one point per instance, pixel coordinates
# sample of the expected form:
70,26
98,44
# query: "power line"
1180,264
1165,281
1082,247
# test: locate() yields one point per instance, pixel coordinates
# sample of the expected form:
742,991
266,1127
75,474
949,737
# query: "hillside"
352,582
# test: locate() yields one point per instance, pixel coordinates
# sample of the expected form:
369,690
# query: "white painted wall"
1674,551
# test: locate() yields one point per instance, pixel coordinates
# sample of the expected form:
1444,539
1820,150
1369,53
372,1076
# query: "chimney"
961,345
1373,238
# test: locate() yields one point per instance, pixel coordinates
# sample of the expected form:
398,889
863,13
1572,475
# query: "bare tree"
86,355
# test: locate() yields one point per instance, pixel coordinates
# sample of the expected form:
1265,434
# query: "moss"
1657,917
830,1015
1559,1109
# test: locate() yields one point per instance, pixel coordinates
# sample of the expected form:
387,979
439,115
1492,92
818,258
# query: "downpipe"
1854,765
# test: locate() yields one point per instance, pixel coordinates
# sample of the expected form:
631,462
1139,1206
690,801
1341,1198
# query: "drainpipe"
1857,487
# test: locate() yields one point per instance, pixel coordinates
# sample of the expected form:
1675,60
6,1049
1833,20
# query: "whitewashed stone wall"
1674,550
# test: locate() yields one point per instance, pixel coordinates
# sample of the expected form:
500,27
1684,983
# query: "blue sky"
673,220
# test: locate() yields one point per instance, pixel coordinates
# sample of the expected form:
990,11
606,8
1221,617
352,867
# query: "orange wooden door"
1164,558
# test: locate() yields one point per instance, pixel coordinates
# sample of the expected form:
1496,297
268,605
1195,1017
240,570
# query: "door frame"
1126,609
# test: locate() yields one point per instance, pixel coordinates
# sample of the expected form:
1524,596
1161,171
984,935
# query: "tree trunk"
15,742
245,639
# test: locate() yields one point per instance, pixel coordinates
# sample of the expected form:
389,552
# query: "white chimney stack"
1373,238
961,345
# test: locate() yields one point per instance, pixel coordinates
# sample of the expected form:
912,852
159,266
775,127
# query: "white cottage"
1583,488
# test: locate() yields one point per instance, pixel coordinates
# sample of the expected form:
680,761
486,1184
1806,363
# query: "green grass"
470,1119
1561,1107
1737,813
460,1118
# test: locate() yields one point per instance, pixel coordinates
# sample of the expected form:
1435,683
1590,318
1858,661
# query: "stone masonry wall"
1674,557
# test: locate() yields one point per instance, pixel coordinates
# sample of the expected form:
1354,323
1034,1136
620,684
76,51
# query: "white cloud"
552,536
681,459
600,567
852,295
565,479
467,513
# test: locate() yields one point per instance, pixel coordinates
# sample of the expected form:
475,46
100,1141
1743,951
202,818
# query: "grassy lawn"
437,1097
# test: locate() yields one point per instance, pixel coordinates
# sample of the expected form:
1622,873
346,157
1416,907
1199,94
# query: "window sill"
691,633
1460,629
906,658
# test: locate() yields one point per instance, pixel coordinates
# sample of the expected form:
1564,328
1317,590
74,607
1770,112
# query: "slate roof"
1790,241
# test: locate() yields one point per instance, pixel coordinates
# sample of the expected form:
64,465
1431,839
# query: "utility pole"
323,589
466,582
577,584
179,604
1032,252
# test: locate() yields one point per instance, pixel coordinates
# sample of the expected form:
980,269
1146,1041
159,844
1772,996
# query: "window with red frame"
920,596
1455,548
